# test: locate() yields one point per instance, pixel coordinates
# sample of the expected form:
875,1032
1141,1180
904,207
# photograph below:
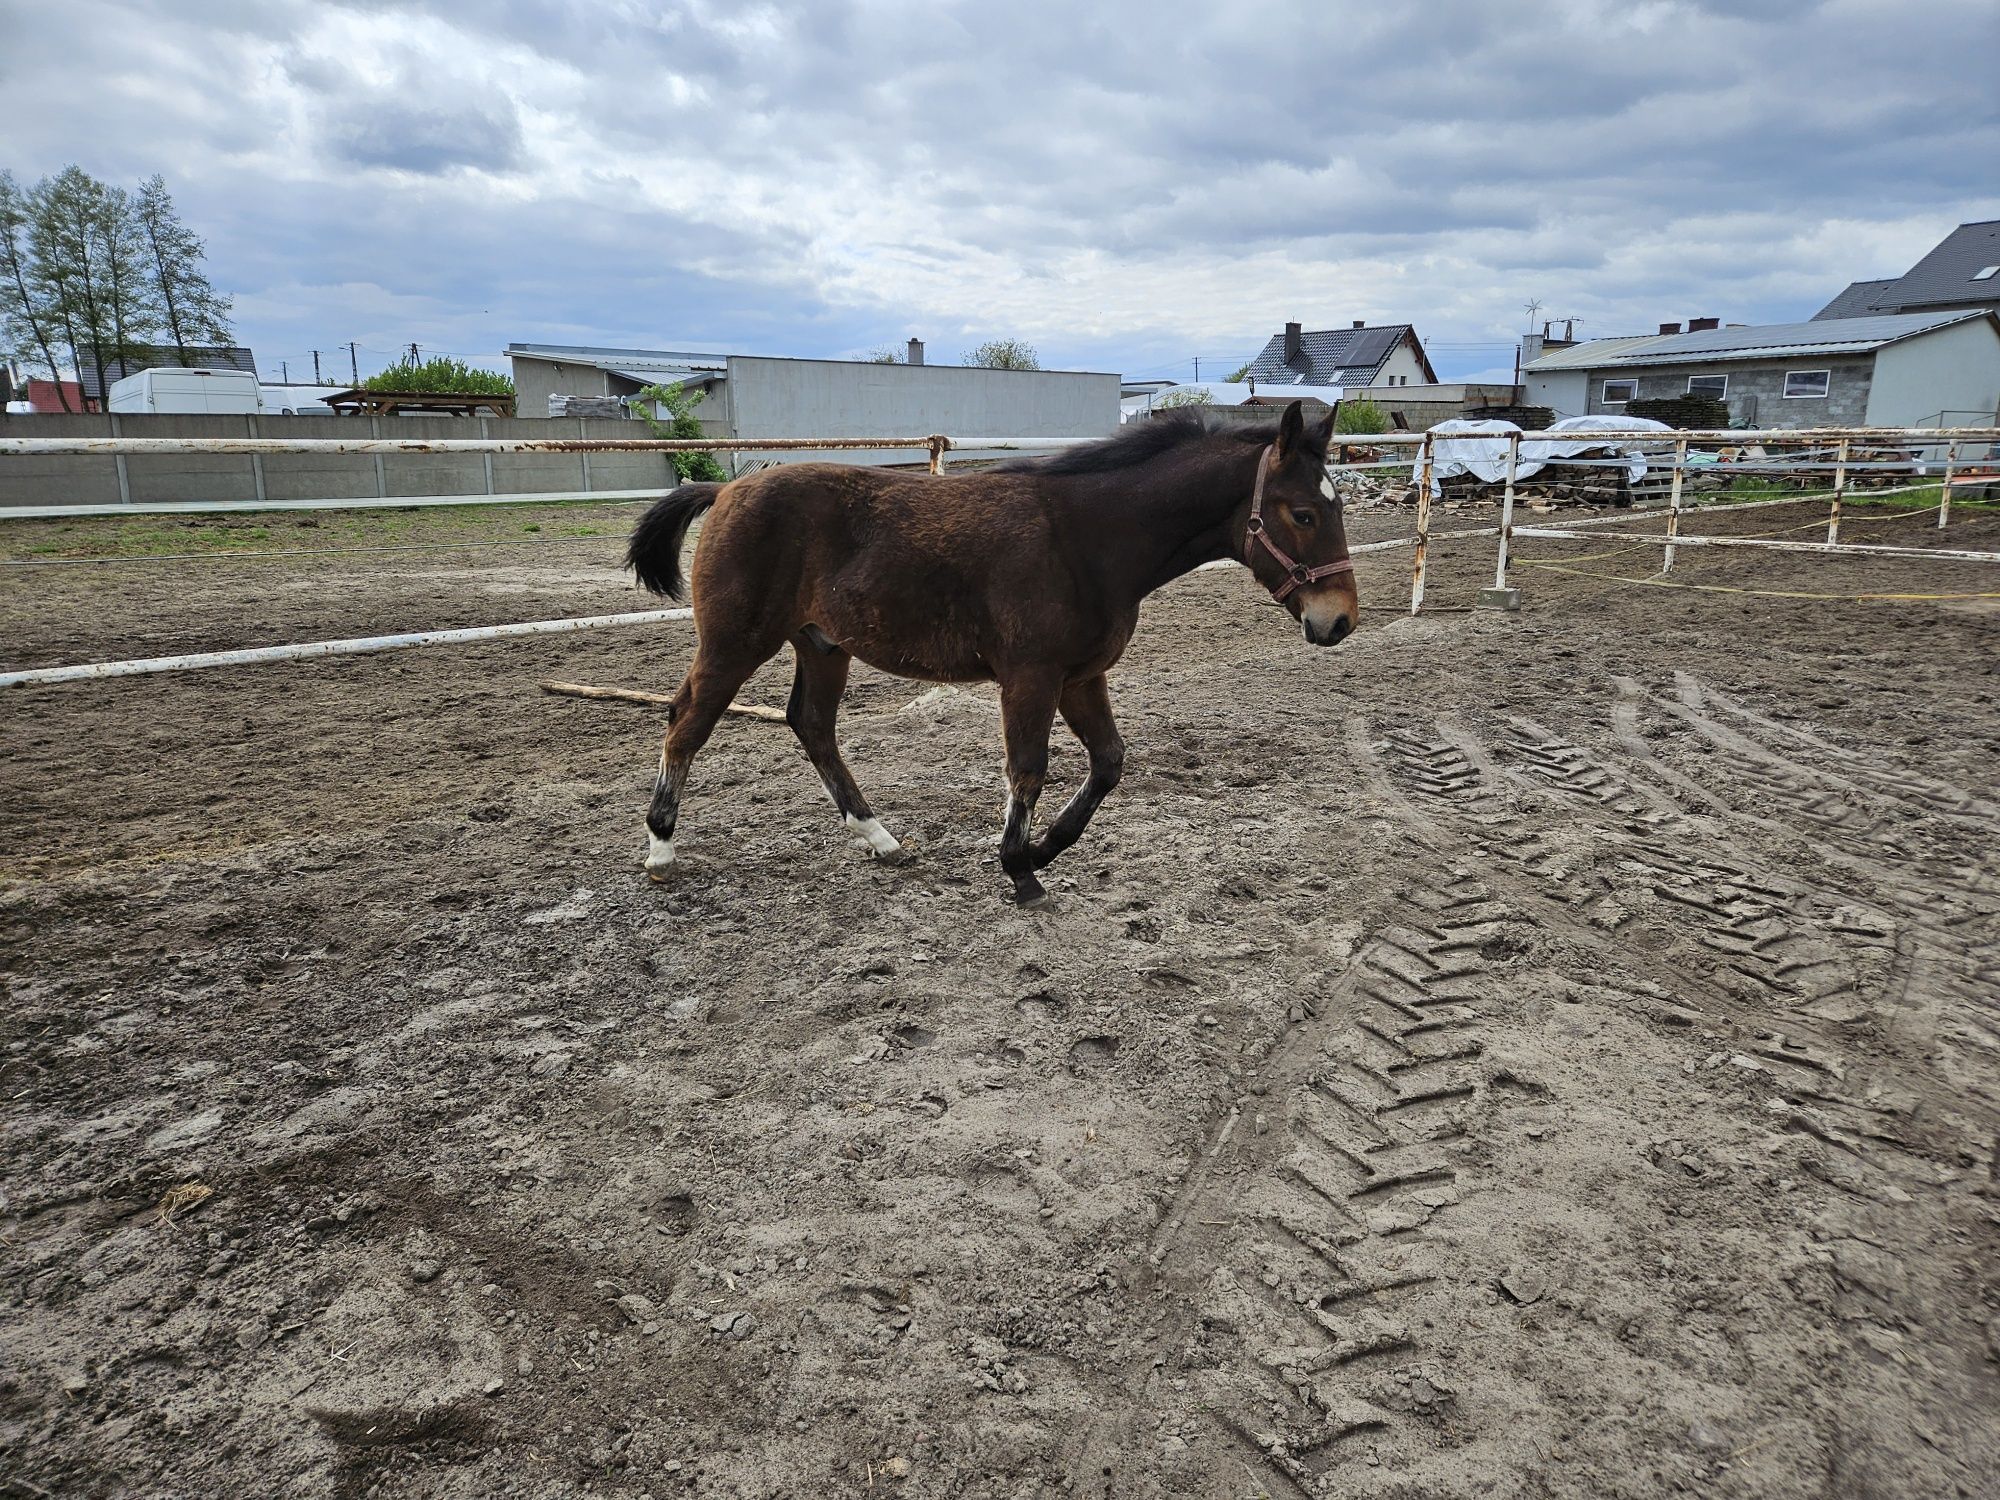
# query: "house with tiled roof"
1924,369
1962,270
1385,354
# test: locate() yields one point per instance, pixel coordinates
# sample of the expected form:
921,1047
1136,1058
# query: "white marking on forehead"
872,834
1326,485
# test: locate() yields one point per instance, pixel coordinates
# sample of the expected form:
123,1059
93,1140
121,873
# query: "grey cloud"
411,138
1517,159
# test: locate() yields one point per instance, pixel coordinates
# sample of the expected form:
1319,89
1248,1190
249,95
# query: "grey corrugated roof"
1944,277
1589,355
1858,301
1332,356
199,357
604,359
1761,341
663,375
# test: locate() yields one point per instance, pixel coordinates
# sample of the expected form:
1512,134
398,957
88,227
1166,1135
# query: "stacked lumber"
561,405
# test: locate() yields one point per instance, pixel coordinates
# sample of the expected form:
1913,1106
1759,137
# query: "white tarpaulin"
1479,448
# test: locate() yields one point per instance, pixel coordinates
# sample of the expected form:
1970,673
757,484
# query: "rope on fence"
1723,588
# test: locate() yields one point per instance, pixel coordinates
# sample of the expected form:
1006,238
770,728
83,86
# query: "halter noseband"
1297,574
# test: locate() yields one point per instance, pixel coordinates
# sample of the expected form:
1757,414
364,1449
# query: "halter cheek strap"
1297,574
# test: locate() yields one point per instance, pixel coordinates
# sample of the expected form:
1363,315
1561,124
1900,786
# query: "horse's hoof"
659,856
1029,892
872,836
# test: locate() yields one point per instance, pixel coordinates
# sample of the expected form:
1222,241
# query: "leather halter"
1297,574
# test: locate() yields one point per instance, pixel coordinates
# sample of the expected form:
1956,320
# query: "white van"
172,390
295,400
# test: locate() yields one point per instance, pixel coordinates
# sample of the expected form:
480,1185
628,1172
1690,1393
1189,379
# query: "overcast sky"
1125,187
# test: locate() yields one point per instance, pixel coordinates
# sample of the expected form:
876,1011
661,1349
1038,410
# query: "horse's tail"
655,551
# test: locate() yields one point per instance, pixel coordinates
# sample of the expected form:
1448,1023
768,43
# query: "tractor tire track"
1869,823
1298,1249
1781,954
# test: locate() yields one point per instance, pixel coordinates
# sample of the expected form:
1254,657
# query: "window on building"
1806,384
1987,274
1618,392
1708,385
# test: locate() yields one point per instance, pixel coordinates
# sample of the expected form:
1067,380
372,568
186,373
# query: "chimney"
1702,325
1360,322
1531,347
1294,344
916,351
1670,328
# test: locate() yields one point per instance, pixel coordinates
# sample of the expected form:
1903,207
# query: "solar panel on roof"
1370,346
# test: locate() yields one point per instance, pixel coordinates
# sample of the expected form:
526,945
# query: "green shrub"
682,424
442,376
1360,417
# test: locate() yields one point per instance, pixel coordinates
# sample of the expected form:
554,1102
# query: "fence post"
381,474
583,432
1950,468
124,477
1674,504
1500,596
256,460
486,431
1839,489
1424,467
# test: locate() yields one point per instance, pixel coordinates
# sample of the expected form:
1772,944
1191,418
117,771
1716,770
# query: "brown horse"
1029,575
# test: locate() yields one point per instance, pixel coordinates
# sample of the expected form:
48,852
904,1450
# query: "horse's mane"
1136,443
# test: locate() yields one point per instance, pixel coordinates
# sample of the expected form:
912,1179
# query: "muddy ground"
1548,1055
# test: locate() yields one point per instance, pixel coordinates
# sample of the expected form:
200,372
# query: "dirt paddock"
1547,1055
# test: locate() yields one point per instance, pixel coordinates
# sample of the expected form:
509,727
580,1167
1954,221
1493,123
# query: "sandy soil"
1551,1055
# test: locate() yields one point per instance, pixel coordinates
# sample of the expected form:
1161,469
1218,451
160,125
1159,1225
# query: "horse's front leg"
1027,710
1086,708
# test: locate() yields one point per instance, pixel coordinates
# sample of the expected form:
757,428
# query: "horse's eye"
1303,517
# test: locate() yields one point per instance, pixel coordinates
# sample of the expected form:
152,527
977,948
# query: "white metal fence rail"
1840,442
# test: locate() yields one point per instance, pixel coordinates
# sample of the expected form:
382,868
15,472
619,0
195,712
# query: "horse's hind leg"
711,683
818,680
1086,708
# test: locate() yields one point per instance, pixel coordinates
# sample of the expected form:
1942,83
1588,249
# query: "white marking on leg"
659,853
871,833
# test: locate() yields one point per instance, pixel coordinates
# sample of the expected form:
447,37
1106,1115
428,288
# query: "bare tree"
1004,354
28,320
130,295
191,310
87,259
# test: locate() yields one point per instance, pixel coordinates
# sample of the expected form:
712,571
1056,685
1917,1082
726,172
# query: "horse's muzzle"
1331,634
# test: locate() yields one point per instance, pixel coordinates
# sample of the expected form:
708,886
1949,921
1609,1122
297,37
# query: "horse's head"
1294,539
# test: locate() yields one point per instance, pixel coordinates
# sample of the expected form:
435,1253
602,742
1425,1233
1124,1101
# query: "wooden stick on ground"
637,695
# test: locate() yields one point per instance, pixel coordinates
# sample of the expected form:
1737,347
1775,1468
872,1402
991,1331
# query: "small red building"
44,397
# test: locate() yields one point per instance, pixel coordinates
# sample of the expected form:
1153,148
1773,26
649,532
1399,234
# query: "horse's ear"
1291,427
1320,435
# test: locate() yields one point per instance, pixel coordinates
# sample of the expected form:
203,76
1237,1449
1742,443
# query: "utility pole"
413,354
1197,369
353,364
284,373
316,379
